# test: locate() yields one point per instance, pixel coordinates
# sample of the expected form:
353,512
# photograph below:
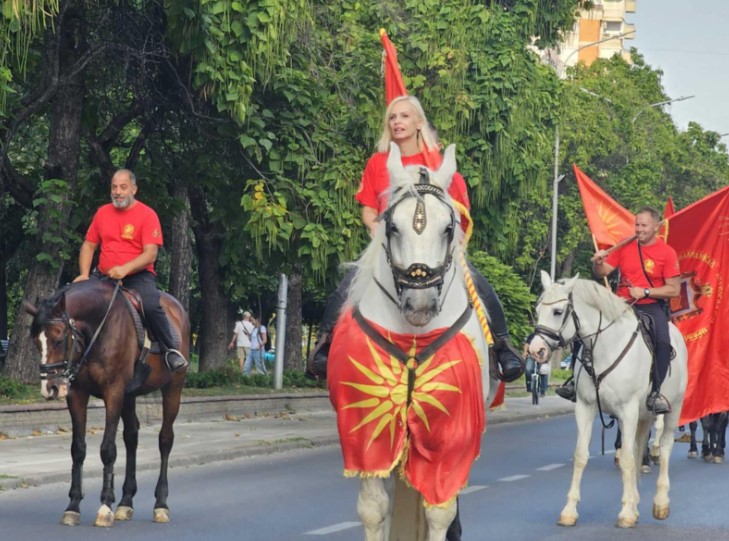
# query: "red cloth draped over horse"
438,436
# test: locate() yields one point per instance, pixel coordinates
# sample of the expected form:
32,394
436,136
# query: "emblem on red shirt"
155,233
649,266
128,232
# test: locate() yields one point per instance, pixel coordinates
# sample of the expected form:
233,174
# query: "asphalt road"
516,492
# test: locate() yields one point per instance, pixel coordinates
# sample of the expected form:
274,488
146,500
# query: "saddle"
648,331
145,340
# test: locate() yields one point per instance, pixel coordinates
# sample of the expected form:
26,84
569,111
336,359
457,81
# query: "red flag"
394,85
608,221
700,233
668,211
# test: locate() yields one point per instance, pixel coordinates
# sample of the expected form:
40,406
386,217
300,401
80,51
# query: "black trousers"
146,284
663,339
497,319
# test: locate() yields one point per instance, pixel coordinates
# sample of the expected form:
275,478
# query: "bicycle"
535,378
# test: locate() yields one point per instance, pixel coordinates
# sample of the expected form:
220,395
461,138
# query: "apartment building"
598,33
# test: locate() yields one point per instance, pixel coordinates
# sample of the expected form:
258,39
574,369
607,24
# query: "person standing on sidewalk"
258,344
242,338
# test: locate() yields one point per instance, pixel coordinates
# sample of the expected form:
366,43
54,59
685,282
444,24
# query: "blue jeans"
531,365
255,356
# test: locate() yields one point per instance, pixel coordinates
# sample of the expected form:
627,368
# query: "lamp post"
586,45
658,104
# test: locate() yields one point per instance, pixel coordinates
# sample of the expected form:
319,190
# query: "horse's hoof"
645,469
71,518
708,458
105,517
565,520
661,513
693,454
718,460
626,523
124,512
162,515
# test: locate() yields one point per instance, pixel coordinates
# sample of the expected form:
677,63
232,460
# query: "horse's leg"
618,447
77,402
439,518
721,424
170,407
656,447
645,458
693,448
628,515
113,402
373,505
125,509
705,443
584,415
661,502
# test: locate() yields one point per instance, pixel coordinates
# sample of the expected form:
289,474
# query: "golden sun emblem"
649,266
388,391
128,232
611,221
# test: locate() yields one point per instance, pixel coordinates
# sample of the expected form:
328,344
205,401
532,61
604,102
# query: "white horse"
393,398
619,384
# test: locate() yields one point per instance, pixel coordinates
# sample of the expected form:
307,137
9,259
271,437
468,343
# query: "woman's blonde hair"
425,133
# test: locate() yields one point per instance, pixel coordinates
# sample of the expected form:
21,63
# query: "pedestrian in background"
242,338
258,344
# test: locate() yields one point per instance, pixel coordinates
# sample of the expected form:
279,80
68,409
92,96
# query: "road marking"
550,467
513,478
474,488
335,528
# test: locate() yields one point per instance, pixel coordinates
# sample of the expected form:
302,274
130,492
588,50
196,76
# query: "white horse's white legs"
661,502
656,447
373,505
628,516
584,415
439,518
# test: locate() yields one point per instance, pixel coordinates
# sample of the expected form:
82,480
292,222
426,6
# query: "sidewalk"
44,457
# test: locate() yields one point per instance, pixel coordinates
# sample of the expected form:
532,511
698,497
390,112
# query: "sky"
688,41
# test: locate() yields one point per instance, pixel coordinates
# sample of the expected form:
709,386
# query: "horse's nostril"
53,393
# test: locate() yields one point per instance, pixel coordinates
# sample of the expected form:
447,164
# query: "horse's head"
56,337
420,234
556,325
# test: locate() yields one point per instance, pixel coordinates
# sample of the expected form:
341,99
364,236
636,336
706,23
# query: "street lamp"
658,104
586,45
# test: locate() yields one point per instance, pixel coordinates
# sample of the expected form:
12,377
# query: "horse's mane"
601,298
46,306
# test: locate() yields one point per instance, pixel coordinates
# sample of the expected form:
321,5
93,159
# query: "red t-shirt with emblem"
124,233
659,260
376,181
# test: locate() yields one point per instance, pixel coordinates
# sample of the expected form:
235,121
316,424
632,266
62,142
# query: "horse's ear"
447,168
394,164
546,279
60,308
30,307
570,284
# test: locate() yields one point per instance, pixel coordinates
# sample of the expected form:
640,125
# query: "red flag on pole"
394,85
608,221
668,211
699,234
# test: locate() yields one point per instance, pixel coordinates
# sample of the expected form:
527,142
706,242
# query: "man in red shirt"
130,234
650,275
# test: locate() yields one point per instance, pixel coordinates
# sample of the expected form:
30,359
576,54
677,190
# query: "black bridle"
557,335
418,275
74,339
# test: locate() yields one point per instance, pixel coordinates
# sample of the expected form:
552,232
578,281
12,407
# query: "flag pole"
594,243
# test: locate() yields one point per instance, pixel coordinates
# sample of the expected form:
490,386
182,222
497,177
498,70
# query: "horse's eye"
58,342
448,231
558,311
392,229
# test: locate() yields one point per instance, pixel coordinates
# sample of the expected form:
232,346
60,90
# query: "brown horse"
89,346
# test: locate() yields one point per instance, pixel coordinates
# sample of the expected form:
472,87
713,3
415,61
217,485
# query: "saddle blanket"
435,438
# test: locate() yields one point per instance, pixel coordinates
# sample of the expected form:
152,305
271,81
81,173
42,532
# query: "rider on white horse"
406,125
650,275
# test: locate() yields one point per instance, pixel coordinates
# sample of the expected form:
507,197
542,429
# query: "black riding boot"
317,362
508,358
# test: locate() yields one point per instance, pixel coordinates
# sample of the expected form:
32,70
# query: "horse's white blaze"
44,360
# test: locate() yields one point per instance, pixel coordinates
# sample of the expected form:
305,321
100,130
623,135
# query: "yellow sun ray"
384,421
426,377
429,399
439,386
384,370
418,409
380,410
369,403
372,390
369,374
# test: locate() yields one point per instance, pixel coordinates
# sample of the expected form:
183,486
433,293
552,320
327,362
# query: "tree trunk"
181,252
293,359
3,297
53,215
213,321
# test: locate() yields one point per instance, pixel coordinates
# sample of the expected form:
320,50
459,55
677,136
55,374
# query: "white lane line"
550,467
335,528
513,478
473,488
